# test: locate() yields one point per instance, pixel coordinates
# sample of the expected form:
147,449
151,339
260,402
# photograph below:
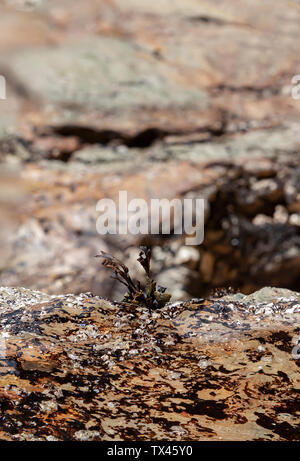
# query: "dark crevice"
87,135
141,139
146,138
48,141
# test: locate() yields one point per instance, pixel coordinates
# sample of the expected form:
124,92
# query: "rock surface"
252,235
83,368
162,101
122,66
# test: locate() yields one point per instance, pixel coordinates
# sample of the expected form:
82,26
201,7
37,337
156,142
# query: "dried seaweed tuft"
151,295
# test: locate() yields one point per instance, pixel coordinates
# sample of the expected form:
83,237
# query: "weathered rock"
110,96
163,100
251,237
83,368
122,68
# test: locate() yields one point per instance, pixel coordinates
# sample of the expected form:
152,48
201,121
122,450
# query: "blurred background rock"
162,99
12,198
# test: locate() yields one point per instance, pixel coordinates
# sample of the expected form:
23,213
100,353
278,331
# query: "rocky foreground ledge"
83,368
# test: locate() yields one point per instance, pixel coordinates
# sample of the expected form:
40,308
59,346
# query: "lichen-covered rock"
163,100
83,368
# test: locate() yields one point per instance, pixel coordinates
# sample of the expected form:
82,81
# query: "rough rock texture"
83,368
162,99
251,232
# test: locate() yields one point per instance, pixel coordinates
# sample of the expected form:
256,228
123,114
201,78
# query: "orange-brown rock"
82,368
162,101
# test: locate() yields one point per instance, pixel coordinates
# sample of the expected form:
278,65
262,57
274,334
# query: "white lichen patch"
86,435
17,298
